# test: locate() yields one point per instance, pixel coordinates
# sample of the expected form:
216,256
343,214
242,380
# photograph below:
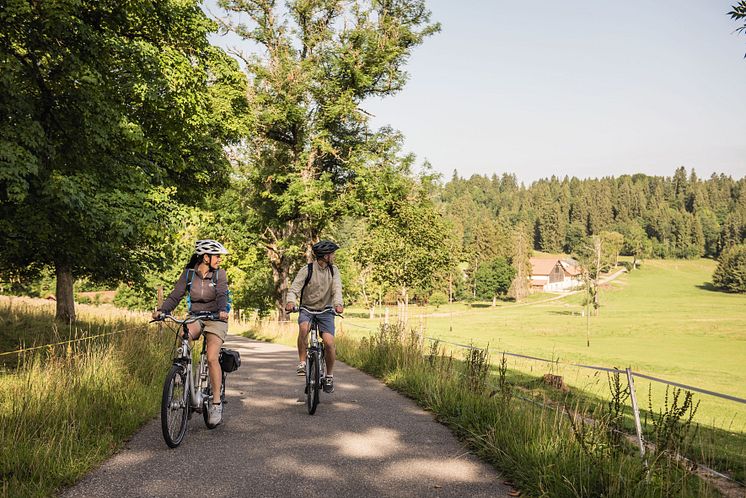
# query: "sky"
581,88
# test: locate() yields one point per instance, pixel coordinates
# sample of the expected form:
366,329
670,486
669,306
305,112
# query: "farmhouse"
553,274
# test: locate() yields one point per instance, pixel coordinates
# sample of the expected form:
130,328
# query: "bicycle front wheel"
313,382
175,406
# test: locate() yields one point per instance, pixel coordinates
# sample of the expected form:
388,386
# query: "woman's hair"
196,258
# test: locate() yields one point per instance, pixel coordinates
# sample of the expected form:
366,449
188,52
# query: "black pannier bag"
229,360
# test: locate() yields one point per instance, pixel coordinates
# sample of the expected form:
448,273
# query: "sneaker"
215,414
328,384
301,370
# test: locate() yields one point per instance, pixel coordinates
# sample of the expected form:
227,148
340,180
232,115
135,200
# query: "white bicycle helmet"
209,246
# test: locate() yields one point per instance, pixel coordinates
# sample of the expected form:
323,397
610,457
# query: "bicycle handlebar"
328,309
186,321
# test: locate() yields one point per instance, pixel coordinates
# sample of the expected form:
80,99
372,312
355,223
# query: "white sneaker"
215,414
301,369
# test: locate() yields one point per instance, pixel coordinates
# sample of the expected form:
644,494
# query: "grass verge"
65,409
544,452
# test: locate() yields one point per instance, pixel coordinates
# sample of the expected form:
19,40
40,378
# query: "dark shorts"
325,320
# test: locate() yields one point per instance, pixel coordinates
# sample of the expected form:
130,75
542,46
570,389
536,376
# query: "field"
663,320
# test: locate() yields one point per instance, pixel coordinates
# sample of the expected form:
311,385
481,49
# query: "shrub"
730,275
438,298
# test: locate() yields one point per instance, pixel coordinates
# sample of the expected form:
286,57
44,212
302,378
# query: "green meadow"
663,319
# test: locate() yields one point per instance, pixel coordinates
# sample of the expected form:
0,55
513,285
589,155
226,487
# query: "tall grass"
544,452
65,409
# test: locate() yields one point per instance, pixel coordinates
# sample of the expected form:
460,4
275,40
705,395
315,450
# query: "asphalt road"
365,440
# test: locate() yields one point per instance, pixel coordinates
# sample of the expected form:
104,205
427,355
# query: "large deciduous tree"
110,112
312,64
407,246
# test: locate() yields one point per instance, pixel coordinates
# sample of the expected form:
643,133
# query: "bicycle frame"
195,380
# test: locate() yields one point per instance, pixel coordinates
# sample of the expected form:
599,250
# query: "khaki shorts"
215,327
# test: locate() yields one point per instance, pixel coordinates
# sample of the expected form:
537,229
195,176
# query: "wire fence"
603,369
641,442
70,341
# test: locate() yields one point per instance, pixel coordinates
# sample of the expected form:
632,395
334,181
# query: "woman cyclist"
208,293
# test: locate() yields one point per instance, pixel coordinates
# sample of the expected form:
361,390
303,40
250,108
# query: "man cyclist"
206,286
323,289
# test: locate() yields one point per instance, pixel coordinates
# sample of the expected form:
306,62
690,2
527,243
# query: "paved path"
365,440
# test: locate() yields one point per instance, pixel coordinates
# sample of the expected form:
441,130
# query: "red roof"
542,266
572,269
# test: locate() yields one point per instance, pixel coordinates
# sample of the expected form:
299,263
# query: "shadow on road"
365,440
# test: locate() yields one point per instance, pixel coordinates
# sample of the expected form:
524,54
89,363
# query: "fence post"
159,300
386,316
636,411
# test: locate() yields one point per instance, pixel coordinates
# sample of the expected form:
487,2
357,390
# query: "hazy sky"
583,88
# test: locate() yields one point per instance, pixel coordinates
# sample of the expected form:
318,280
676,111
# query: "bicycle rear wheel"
175,406
313,382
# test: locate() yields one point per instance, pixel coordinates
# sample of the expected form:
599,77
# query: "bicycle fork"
316,347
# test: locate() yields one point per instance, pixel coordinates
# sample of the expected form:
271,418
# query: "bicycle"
315,358
185,390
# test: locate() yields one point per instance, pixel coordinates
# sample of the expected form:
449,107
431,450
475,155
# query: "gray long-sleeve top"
322,290
204,294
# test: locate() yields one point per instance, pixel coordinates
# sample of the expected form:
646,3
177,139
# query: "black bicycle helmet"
324,247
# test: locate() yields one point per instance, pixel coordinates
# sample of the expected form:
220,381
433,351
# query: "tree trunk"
64,293
280,278
280,273
450,288
598,248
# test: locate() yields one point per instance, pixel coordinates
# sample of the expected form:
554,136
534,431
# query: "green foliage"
113,112
38,282
407,246
730,274
672,424
311,148
613,418
133,297
493,278
671,217
476,369
438,299
612,243
739,13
